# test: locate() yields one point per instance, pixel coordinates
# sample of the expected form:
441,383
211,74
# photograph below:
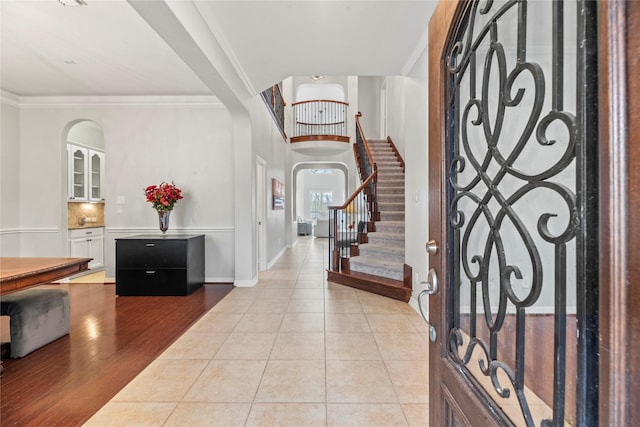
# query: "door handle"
431,284
432,247
431,287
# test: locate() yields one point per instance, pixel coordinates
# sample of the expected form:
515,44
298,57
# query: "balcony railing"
320,120
275,103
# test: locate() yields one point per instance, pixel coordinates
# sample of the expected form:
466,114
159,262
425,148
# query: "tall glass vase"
163,220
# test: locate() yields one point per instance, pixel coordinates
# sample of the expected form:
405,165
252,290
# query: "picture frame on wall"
277,191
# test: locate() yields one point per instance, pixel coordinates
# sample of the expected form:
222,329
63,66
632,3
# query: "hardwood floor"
110,342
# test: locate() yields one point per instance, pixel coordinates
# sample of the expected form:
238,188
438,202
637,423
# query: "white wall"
313,92
304,84
9,176
146,142
369,105
408,127
271,146
88,134
400,98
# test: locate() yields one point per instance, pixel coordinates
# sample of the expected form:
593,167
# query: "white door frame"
261,234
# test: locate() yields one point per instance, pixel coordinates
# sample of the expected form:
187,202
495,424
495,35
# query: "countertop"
80,227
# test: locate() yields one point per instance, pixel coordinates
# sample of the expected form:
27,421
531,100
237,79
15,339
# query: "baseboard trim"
275,259
245,283
377,285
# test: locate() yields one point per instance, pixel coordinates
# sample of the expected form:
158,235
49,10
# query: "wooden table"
19,273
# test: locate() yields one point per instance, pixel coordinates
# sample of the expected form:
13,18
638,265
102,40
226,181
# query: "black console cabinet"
159,265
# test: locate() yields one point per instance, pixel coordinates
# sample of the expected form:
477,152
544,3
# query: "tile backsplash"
85,215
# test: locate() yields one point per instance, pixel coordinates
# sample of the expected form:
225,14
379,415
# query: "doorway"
84,192
311,179
261,179
513,214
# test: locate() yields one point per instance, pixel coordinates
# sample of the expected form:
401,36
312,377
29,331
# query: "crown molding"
420,47
235,63
207,101
223,43
9,98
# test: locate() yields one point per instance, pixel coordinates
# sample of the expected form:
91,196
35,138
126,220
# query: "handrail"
373,176
317,117
364,140
276,106
319,100
396,152
357,211
326,124
348,225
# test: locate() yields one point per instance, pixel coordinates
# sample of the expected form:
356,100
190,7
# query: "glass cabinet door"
96,176
78,173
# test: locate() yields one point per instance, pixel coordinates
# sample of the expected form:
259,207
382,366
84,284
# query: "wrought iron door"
521,196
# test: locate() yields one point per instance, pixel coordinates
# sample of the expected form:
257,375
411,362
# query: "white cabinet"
86,174
87,243
96,176
78,177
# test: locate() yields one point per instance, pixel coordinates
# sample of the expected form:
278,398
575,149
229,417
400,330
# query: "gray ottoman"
38,316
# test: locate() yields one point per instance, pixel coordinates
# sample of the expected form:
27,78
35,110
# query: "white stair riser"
391,198
381,254
376,270
380,240
392,216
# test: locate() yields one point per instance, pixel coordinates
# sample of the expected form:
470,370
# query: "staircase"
377,263
383,255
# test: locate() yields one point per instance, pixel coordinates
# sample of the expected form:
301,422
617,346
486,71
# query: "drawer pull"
150,245
150,272
88,232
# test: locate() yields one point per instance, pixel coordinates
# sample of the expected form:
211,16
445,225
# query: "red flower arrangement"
163,196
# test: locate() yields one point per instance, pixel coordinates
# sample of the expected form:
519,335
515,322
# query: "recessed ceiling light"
317,77
73,2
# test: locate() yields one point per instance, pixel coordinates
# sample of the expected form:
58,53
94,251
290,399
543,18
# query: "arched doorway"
324,183
84,190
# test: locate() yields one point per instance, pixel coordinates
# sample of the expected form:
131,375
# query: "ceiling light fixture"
316,78
73,2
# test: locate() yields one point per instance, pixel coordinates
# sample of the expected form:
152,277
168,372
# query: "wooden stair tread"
375,284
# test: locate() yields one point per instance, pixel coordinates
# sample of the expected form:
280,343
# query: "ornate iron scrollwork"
496,118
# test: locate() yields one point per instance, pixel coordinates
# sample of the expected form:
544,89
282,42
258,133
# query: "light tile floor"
294,350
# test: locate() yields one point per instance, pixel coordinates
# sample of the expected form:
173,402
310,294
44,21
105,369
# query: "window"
320,202
321,171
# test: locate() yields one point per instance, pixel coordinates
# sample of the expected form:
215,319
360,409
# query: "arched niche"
328,91
89,135
81,133
86,133
340,168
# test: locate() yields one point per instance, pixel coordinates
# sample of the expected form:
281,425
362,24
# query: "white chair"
322,228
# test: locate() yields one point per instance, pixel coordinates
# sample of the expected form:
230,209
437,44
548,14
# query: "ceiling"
107,48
